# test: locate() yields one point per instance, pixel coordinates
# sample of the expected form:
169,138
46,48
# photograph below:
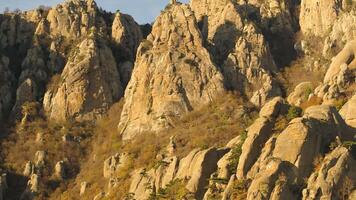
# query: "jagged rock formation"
335,179
74,61
88,86
239,47
173,74
113,165
74,19
276,19
340,75
330,20
258,134
273,182
195,168
127,36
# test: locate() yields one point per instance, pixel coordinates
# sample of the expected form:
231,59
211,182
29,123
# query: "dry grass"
297,73
212,125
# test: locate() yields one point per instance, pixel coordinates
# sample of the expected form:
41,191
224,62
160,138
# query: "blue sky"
144,11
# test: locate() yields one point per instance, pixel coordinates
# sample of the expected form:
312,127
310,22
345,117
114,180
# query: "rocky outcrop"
339,76
74,19
335,179
318,16
114,164
306,138
258,134
239,47
173,75
276,19
347,112
6,87
32,188
195,168
60,170
345,59
301,93
343,31
330,20
126,33
88,86
273,182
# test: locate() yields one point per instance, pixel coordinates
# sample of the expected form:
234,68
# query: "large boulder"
173,75
308,137
258,134
345,57
335,179
301,93
88,85
195,169
348,113
273,182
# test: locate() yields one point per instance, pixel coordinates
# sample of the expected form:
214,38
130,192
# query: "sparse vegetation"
294,112
236,153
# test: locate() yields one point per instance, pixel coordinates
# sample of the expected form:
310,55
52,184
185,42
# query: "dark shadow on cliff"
279,36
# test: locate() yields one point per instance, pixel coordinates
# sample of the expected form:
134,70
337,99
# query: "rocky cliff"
228,99
173,74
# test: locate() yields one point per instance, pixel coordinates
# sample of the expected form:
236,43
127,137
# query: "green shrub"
294,112
236,153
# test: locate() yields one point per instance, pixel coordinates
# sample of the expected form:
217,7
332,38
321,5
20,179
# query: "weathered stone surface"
29,169
239,47
348,113
173,74
345,57
343,31
74,18
273,108
258,133
88,86
318,16
306,138
114,164
32,188
26,92
335,179
301,93
60,170
83,187
195,168
126,33
273,181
